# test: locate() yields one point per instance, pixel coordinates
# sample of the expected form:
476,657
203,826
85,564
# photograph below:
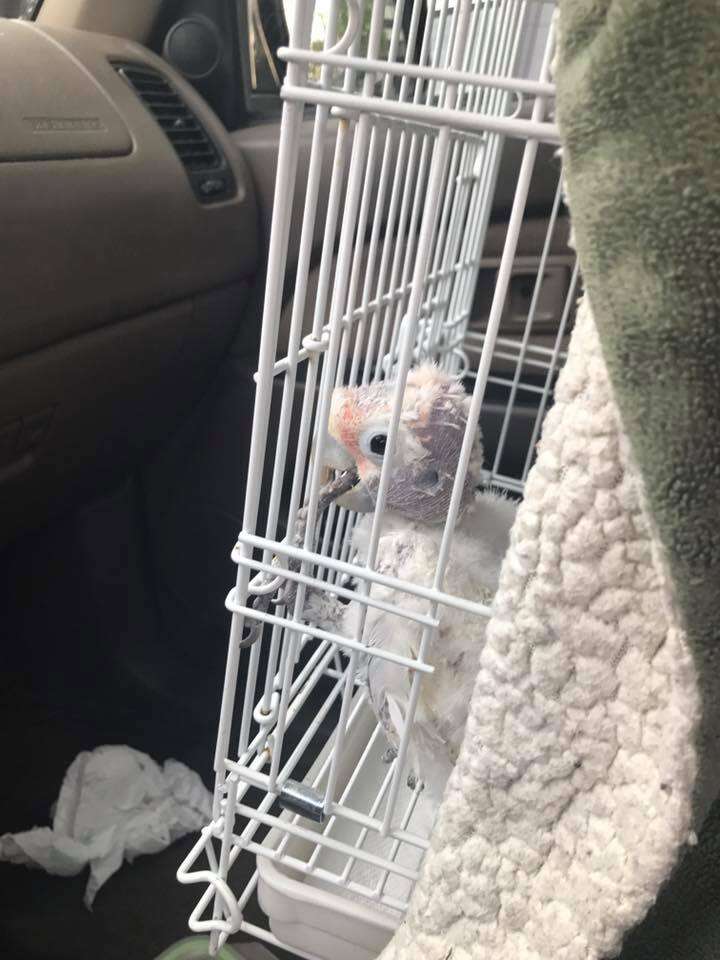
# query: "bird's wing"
409,552
385,683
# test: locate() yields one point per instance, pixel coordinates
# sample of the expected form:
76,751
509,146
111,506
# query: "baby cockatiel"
432,426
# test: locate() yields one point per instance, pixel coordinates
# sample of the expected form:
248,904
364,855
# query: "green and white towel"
591,754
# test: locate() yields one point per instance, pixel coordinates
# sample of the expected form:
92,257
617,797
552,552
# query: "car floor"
86,663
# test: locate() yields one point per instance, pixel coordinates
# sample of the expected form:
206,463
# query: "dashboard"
129,244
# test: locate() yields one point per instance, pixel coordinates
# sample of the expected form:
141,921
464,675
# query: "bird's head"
430,435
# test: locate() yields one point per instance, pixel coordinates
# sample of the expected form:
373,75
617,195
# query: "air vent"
207,169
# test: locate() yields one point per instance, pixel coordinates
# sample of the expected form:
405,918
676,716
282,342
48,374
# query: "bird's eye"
378,442
373,442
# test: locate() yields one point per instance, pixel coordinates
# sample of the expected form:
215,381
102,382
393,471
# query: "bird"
434,415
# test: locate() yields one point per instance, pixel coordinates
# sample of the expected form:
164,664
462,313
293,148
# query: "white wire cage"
422,98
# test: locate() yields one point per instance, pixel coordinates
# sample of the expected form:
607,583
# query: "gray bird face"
425,460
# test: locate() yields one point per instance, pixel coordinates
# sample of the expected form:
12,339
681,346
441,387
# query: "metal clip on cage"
421,98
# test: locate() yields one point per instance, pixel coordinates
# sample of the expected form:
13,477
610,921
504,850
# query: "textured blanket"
590,755
571,797
638,85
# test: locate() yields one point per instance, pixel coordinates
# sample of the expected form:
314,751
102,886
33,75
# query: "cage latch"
297,797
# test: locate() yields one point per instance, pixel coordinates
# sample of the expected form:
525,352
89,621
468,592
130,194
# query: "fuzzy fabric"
638,88
571,797
591,752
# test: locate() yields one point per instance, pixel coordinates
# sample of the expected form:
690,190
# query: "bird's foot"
415,783
326,610
389,755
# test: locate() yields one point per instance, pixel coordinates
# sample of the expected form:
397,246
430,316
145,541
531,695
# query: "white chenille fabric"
571,798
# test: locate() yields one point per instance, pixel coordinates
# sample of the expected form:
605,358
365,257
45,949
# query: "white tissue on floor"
115,803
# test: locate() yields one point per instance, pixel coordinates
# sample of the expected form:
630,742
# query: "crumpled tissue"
115,803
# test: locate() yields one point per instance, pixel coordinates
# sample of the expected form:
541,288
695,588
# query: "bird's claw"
254,631
284,598
389,755
287,592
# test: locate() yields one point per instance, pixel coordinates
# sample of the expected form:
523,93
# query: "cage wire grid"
421,97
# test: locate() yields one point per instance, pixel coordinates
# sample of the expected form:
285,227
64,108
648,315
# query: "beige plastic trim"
58,111
88,241
132,19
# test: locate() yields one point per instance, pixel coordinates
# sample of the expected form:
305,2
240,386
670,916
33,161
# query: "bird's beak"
336,457
357,499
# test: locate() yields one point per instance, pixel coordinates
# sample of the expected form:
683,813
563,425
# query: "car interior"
137,169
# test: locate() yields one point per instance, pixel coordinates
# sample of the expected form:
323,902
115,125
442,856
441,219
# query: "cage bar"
423,99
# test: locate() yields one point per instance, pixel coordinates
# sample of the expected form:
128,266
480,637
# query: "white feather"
409,551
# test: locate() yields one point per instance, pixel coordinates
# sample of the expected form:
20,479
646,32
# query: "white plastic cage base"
426,96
